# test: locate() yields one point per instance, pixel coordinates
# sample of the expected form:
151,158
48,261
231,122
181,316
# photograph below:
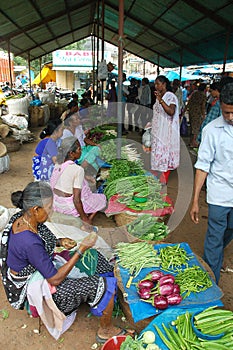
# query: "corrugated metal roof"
164,32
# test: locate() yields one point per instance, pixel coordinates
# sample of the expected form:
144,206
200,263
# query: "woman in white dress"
165,133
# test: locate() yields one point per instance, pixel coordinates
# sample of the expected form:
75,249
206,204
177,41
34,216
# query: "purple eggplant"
174,299
145,284
166,279
144,293
166,289
154,275
160,302
176,289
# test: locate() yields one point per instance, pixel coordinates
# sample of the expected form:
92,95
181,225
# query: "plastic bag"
146,140
184,127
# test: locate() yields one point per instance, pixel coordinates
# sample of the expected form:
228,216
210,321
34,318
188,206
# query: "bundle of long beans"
135,256
127,186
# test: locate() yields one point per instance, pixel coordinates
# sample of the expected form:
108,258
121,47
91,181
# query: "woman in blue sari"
46,152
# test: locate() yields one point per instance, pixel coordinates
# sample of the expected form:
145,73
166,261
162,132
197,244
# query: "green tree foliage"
35,64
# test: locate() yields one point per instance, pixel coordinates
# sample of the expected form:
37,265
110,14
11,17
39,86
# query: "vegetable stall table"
140,313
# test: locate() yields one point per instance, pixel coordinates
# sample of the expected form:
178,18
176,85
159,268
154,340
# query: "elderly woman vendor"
72,194
90,150
28,245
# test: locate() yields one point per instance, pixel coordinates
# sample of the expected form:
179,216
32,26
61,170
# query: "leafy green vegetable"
146,227
131,344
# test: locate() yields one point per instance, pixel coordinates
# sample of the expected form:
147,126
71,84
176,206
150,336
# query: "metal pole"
93,58
102,53
9,61
29,71
120,105
97,47
158,65
181,63
40,74
226,51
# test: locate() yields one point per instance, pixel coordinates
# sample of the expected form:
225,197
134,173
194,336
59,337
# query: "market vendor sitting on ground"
46,152
28,246
215,163
90,150
83,110
72,194
72,107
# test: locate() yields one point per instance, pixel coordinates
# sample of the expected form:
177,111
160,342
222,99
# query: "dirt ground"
17,330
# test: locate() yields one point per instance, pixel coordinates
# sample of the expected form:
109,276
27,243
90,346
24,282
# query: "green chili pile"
193,280
173,258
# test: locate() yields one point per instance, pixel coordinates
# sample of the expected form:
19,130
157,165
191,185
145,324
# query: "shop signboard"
76,58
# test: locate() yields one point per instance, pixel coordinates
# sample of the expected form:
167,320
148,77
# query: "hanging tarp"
47,75
171,75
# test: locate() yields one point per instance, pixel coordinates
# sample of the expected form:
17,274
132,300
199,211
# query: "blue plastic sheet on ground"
167,317
141,310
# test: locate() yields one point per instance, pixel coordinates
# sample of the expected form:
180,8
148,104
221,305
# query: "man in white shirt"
215,163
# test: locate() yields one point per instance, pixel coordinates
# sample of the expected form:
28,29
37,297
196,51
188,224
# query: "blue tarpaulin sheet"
167,317
141,310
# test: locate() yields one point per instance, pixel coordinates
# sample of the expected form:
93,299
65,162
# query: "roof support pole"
93,56
9,61
29,72
96,87
102,51
120,105
158,63
226,51
181,63
40,73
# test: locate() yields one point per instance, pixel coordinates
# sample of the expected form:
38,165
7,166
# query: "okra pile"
181,335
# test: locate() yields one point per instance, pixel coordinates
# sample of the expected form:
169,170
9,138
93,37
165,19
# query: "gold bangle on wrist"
161,101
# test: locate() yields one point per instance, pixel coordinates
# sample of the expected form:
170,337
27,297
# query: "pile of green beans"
126,186
137,255
193,280
173,258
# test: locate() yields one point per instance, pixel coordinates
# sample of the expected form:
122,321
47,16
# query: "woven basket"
11,144
123,219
